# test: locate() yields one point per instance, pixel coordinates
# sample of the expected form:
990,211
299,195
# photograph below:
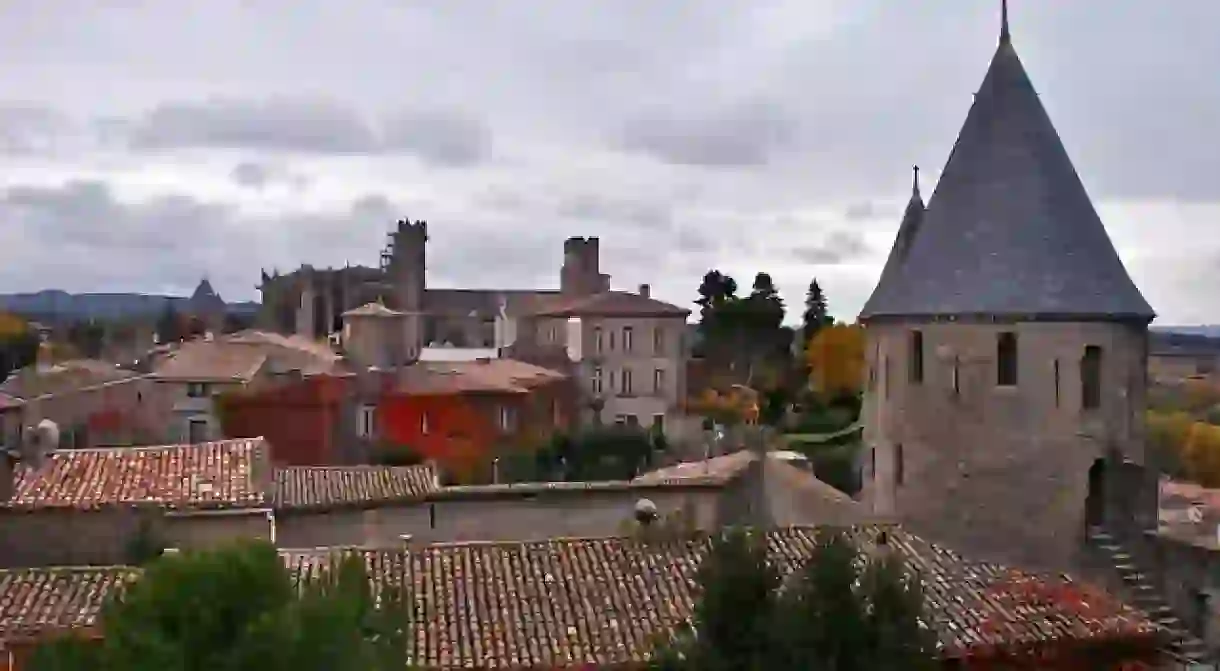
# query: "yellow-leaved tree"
1201,454
737,405
836,360
12,326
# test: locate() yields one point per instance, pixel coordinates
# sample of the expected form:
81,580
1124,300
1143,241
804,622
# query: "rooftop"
607,304
481,375
1010,230
331,486
605,600
562,602
220,474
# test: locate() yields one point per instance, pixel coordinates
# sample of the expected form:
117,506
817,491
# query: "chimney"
645,291
406,540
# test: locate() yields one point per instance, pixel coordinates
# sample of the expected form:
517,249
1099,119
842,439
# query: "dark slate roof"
911,220
205,299
1010,230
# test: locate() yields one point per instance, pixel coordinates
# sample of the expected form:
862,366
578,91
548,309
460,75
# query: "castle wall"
998,471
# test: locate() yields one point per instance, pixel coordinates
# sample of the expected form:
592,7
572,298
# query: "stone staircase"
1144,595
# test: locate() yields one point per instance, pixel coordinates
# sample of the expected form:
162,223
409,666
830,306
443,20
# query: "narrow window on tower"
1090,378
885,375
1056,383
899,465
1006,359
957,383
916,371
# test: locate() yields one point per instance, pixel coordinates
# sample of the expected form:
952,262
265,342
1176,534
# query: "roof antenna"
1005,37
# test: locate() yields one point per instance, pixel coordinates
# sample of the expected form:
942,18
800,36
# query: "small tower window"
1006,359
915,374
1090,378
899,465
1056,383
957,382
885,375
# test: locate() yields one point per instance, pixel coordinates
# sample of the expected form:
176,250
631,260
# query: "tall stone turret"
1006,344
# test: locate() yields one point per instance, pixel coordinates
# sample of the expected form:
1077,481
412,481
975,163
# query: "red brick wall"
298,419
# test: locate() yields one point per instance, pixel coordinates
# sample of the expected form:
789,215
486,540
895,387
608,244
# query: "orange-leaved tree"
737,405
836,360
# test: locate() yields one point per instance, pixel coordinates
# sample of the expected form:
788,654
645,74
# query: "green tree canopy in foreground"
842,611
237,609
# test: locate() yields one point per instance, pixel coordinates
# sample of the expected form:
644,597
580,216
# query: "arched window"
1006,359
1090,378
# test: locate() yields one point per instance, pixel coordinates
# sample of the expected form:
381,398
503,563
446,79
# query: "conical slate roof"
911,220
205,299
1010,230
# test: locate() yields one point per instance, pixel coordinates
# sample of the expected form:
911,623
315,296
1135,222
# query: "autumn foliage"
1190,444
836,359
736,406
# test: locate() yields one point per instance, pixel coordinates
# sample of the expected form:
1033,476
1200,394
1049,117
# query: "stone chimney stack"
645,291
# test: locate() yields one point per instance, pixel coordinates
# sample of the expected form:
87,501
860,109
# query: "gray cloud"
736,136
307,125
258,175
275,124
30,129
631,212
836,247
603,116
443,139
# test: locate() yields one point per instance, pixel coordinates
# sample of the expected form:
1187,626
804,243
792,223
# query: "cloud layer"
774,135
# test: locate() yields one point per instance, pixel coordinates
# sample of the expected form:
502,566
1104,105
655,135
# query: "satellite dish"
40,442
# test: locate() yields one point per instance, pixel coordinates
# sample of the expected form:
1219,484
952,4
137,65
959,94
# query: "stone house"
586,603
627,352
85,507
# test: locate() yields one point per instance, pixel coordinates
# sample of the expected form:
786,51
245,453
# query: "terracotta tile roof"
329,486
64,376
485,375
373,309
566,602
220,474
608,304
204,361
44,600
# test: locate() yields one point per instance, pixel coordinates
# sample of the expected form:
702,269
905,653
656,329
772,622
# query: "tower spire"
1005,36
915,183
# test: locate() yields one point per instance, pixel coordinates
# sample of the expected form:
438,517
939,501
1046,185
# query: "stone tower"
405,263
581,272
1006,344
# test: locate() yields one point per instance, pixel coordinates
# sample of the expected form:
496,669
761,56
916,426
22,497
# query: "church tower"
1006,344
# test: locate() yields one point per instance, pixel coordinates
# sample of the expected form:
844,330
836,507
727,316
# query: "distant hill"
1185,339
1205,330
52,304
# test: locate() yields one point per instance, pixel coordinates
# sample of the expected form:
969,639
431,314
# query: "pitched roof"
564,602
507,376
1010,230
219,474
608,304
331,486
205,300
373,309
207,361
38,601
64,376
912,217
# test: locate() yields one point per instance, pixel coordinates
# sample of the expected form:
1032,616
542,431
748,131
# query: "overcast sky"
144,147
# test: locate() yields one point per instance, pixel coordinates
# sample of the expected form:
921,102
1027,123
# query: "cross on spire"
1005,36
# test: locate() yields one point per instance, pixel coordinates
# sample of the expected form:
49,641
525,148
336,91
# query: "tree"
169,325
731,627
17,351
238,608
715,290
836,360
1201,454
840,611
815,315
88,337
